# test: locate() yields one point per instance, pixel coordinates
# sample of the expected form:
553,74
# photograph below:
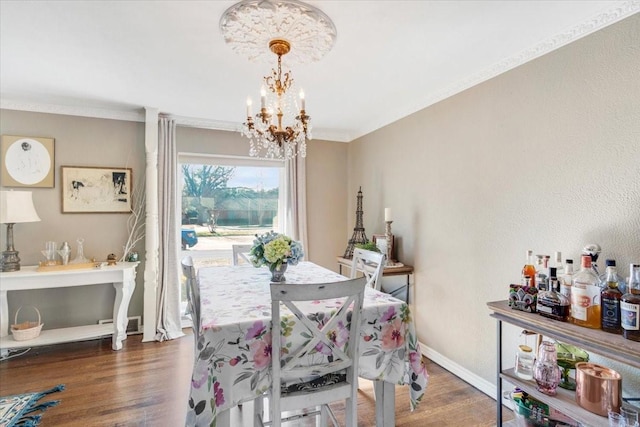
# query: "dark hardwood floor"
147,384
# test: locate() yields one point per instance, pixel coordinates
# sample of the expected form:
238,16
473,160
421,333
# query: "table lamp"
15,207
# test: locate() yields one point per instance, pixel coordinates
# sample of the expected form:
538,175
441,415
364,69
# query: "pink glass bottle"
546,371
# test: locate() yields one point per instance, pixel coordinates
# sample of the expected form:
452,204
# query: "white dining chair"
193,296
370,264
299,382
240,252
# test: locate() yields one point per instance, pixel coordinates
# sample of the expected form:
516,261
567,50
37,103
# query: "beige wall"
543,157
79,141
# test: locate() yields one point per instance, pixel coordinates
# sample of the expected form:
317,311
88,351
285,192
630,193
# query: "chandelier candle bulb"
302,100
263,97
249,107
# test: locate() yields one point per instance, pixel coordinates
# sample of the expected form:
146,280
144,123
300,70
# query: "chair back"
240,252
296,364
370,264
193,294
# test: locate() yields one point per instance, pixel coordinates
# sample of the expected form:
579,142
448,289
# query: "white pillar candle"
387,214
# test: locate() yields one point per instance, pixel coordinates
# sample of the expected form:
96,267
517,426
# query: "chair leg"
323,416
258,412
351,412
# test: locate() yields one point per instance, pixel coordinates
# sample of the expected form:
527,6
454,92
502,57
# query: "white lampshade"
16,207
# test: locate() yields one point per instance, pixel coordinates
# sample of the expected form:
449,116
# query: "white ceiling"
391,58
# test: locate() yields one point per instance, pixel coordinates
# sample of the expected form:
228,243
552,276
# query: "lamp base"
10,261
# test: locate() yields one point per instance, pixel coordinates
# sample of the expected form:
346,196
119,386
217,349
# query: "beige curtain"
295,201
168,324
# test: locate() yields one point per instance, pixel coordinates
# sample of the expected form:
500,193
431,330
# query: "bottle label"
629,316
610,313
583,297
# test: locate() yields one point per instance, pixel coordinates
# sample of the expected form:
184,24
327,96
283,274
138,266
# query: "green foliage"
369,246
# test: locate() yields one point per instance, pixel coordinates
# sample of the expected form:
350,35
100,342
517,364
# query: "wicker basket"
26,330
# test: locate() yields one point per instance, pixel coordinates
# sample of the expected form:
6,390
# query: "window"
225,201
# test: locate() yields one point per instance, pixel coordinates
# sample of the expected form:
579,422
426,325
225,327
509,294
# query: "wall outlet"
133,327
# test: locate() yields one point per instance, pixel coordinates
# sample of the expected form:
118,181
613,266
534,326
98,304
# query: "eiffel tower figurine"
358,231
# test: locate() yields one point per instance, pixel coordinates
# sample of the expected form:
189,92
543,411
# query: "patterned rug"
18,410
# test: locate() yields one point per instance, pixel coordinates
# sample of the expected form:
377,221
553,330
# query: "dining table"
232,360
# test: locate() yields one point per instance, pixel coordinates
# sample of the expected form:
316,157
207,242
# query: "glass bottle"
546,371
542,275
585,296
630,305
552,303
610,297
529,269
566,279
558,263
603,277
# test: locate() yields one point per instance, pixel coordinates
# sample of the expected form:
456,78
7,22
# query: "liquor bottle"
630,305
542,275
585,296
603,277
610,297
558,263
551,303
529,269
566,279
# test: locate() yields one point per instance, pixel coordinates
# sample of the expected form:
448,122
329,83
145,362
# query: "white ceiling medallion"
250,25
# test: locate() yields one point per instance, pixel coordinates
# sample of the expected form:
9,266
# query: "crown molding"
598,22
100,113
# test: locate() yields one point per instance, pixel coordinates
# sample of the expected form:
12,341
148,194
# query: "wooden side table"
405,270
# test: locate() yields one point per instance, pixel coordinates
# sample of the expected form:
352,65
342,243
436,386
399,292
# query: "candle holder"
390,240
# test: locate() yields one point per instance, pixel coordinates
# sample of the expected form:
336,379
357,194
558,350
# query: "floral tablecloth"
234,354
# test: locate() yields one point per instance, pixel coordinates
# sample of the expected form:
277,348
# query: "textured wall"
543,157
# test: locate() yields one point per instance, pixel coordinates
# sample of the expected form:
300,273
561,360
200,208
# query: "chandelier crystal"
282,127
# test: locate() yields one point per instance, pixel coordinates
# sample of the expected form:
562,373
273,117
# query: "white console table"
122,276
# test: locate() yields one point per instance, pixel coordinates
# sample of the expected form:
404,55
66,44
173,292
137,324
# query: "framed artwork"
27,161
87,189
380,241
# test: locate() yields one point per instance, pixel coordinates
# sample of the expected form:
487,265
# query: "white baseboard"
463,373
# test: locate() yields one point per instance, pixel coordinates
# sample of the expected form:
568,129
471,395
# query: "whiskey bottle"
585,296
630,305
529,269
551,303
610,297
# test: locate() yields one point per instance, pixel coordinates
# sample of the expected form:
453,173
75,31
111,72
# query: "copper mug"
598,388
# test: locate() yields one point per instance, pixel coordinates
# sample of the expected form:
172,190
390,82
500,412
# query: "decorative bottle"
529,269
551,303
546,371
630,305
585,296
610,296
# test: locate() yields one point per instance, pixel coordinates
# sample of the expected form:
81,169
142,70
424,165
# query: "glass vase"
546,371
277,272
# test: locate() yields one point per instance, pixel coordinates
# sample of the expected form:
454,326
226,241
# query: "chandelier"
258,28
